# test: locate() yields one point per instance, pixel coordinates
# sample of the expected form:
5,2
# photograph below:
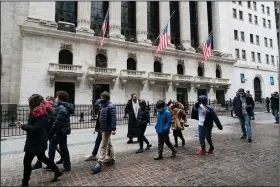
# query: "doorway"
220,96
68,87
182,95
257,89
98,89
201,92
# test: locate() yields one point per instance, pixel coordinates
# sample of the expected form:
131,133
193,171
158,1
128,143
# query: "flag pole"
163,27
101,33
207,37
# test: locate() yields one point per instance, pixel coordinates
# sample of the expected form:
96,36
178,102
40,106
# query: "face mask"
242,94
102,101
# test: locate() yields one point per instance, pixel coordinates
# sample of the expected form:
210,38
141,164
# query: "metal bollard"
81,117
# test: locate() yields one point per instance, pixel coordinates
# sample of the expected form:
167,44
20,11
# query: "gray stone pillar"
84,13
141,22
185,27
202,21
164,15
115,20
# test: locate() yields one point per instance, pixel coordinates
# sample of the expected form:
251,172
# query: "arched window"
100,61
257,89
175,23
218,73
131,63
157,66
66,11
180,69
153,20
199,71
128,20
98,13
65,57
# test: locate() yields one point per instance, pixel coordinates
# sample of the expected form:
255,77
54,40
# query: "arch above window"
65,57
130,64
101,61
157,67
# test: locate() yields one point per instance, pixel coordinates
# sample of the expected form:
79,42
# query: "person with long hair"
37,138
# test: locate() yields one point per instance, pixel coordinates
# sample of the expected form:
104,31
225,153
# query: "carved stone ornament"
158,58
132,55
101,51
66,46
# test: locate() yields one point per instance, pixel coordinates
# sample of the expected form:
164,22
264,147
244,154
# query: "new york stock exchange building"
51,46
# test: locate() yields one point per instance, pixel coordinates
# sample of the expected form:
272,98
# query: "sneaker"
60,161
174,153
210,151
148,147
200,152
140,151
129,141
96,170
159,157
109,163
243,137
56,176
91,158
249,139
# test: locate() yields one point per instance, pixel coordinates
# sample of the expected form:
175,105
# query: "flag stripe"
104,28
207,49
163,39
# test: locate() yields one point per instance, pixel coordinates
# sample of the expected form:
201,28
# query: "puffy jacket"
237,106
37,130
107,117
164,121
274,102
61,118
143,116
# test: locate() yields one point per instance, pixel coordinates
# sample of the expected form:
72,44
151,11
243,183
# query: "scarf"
135,107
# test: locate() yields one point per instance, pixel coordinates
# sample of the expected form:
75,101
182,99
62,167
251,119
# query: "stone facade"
31,44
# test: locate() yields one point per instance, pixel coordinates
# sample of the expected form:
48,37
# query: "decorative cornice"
256,67
33,28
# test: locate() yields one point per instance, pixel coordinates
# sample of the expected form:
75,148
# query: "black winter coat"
274,103
237,106
133,129
143,117
37,134
61,119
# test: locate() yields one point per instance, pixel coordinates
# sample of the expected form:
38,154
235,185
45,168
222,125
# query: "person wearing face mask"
242,107
131,109
164,121
143,119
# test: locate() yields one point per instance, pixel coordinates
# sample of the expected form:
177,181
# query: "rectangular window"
259,57
272,59
235,34
240,15
268,10
234,2
234,13
249,4
271,43
257,40
263,9
255,6
265,42
250,18
242,36
256,20
264,22
267,58
237,56
253,56
251,38
240,3
269,24
243,55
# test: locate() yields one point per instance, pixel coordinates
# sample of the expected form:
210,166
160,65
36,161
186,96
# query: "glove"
220,127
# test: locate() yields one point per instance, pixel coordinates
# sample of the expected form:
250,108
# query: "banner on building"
271,81
242,77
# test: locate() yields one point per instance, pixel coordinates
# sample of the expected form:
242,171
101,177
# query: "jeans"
106,150
27,160
97,143
164,138
275,113
60,140
205,132
142,137
245,125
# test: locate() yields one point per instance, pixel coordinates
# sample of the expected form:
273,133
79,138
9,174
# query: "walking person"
275,106
131,109
179,118
61,128
267,103
107,128
241,105
205,116
37,138
93,155
162,127
143,119
251,102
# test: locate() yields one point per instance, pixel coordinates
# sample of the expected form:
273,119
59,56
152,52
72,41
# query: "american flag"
104,27
207,49
163,39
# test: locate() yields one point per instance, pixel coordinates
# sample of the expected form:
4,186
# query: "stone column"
212,93
185,27
221,26
141,22
42,11
84,13
115,20
164,16
202,21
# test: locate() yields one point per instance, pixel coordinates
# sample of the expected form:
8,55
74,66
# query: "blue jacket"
164,121
107,117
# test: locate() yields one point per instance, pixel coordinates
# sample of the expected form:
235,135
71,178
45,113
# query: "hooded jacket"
61,118
37,129
164,121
